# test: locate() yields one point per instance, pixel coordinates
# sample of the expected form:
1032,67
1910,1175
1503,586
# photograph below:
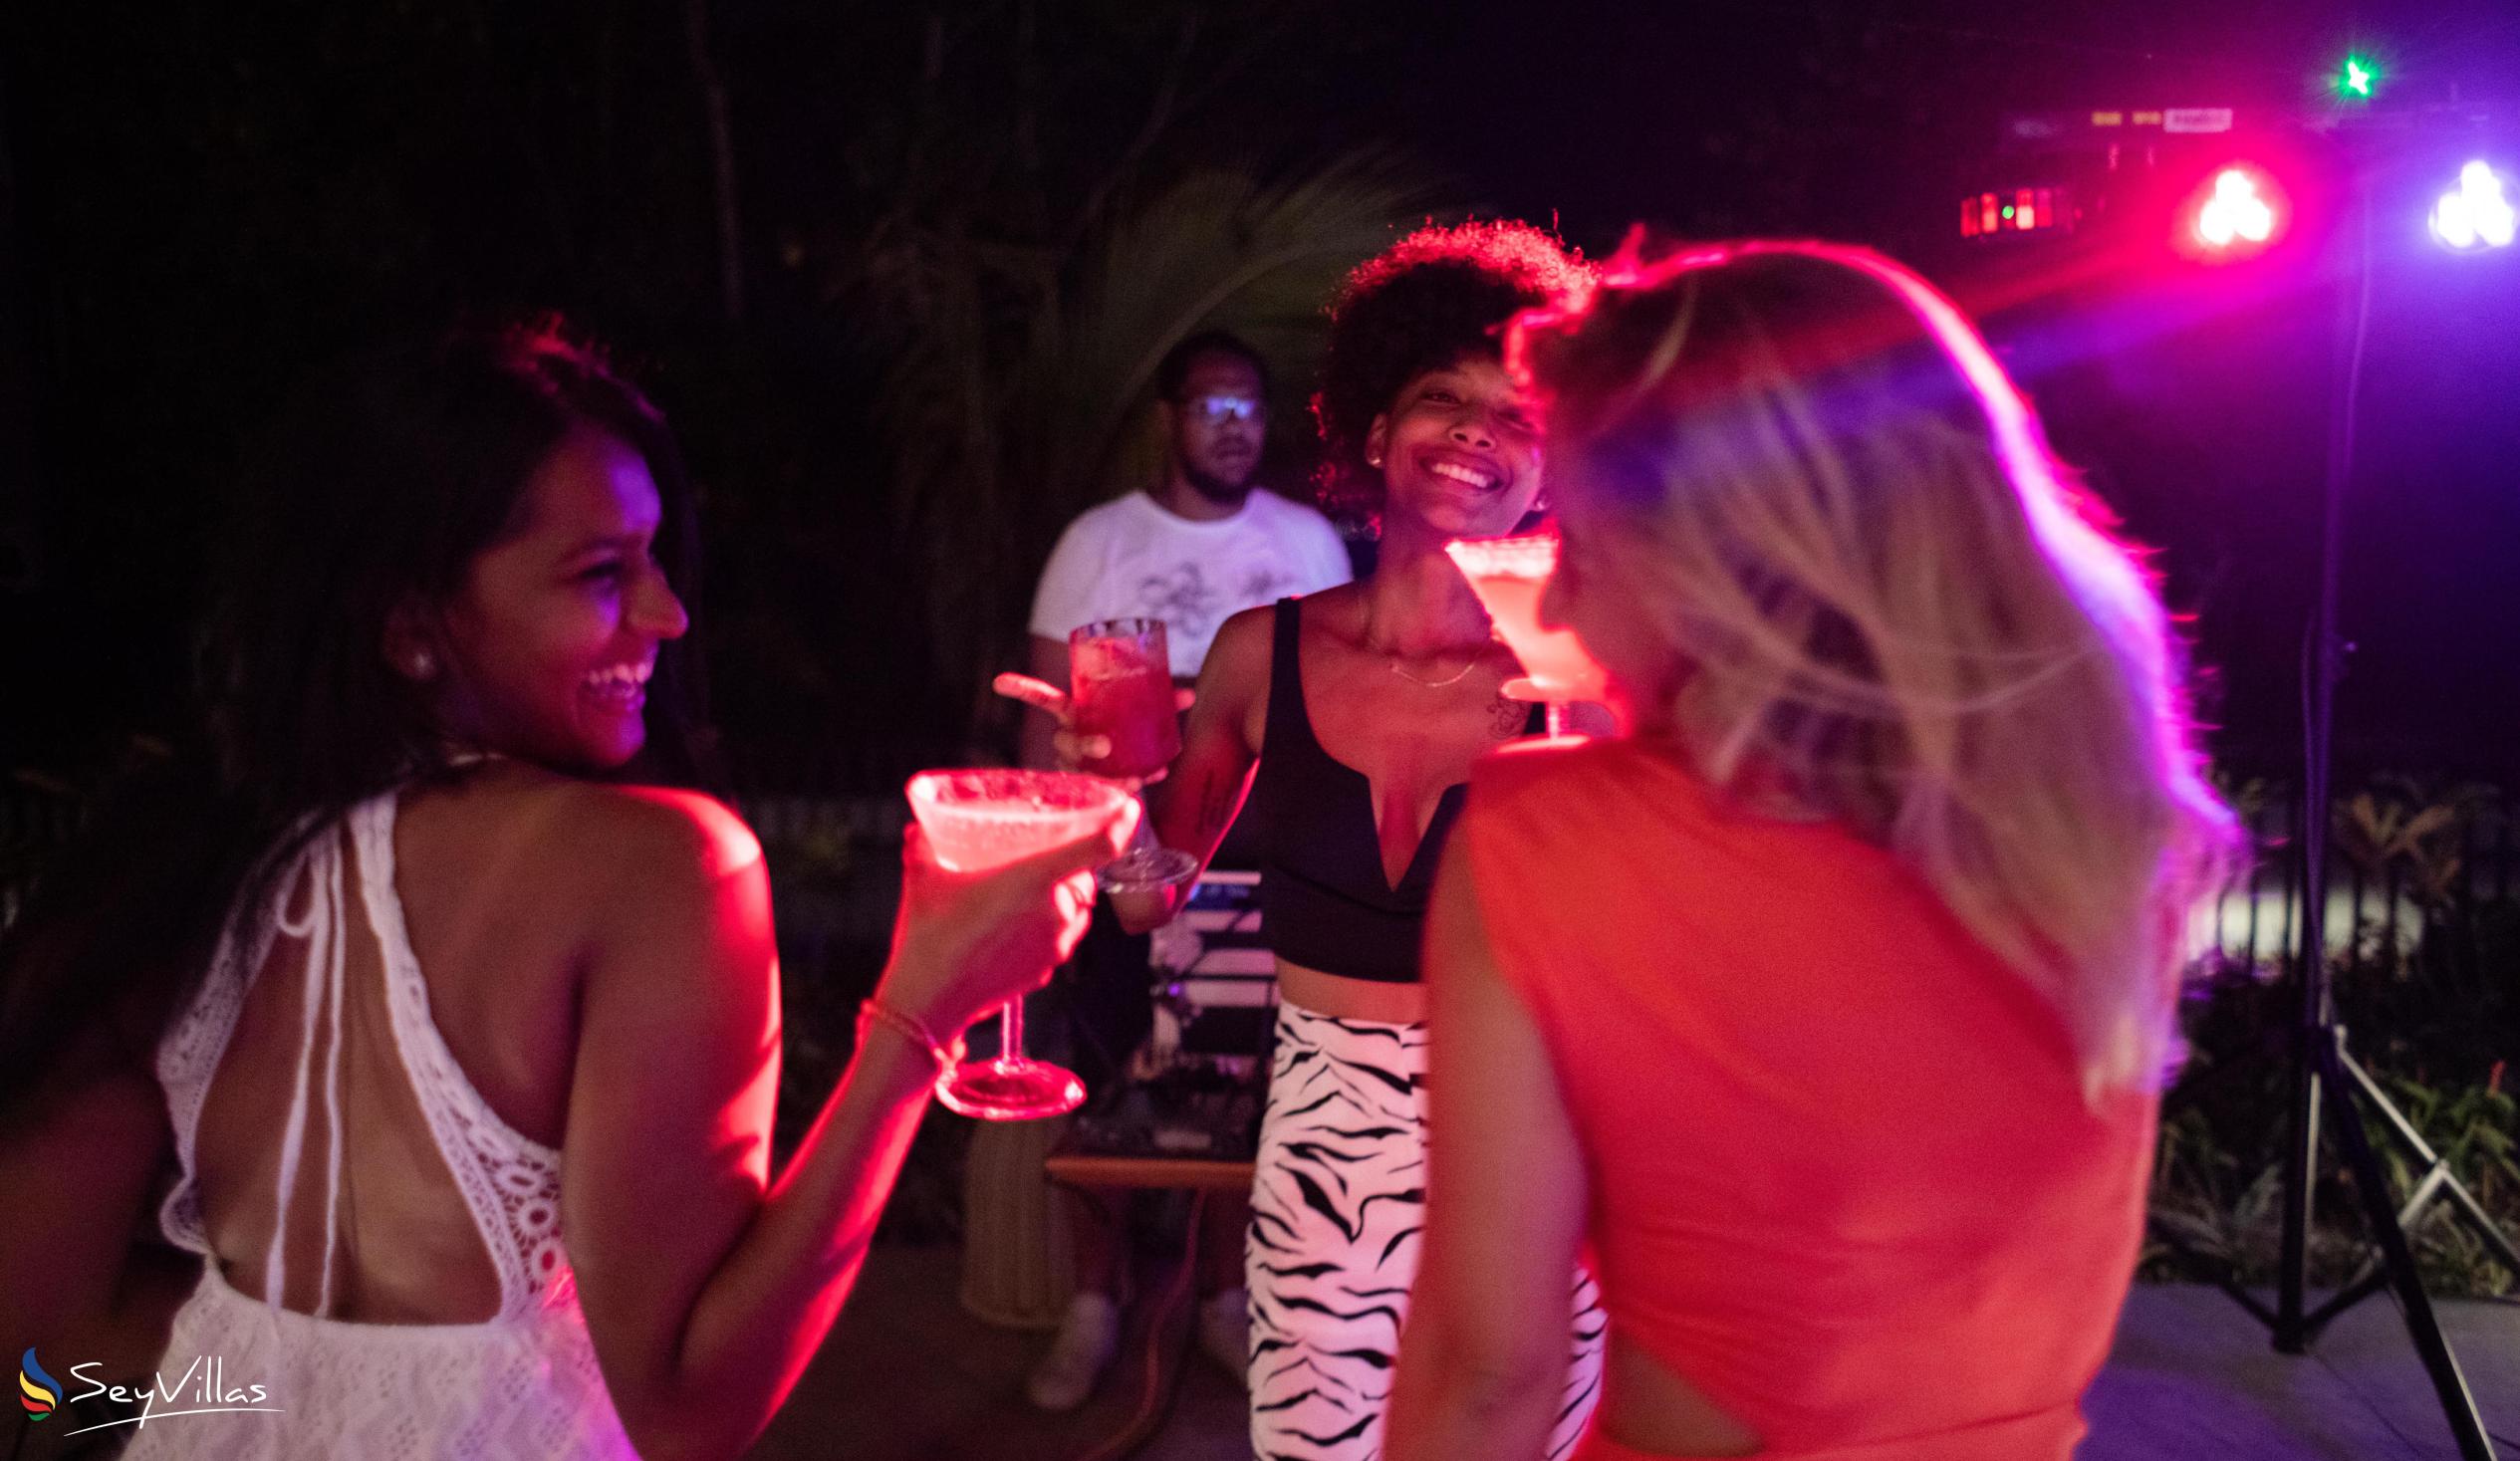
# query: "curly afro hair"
1437,297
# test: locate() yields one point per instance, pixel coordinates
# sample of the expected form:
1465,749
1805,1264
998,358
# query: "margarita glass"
985,818
1509,576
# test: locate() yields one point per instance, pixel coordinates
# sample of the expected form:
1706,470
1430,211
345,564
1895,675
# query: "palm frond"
1019,391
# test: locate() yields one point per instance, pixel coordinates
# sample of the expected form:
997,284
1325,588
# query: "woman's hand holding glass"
965,943
1078,750
1118,659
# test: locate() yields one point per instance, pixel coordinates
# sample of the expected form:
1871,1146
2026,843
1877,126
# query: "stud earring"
421,665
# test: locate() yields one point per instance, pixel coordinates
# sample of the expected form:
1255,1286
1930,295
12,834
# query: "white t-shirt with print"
1131,559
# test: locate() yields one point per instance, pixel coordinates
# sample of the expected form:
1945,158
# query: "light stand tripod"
2325,1076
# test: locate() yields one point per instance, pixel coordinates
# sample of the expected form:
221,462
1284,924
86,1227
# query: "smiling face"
549,644
1460,451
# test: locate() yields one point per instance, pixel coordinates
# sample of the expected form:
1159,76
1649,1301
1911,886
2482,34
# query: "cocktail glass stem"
1010,1031
983,818
1010,1086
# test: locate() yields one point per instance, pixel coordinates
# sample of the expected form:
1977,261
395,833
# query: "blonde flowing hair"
1877,596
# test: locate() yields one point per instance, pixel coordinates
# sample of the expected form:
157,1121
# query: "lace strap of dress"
188,1057
510,1183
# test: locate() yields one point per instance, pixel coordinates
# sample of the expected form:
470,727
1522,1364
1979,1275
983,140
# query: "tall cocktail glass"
1120,680
1509,576
983,819
1120,687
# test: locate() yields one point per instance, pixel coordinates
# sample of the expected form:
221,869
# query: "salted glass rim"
1532,556
951,789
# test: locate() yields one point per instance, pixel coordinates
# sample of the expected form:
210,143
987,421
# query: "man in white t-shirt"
1203,545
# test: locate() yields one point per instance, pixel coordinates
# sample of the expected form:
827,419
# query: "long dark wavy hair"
1441,295
376,488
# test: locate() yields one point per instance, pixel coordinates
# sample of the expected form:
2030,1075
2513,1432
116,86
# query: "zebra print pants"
1338,1202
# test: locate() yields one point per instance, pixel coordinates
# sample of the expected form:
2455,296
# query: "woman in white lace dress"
458,1027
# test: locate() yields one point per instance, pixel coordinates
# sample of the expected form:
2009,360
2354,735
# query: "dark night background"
800,222
897,271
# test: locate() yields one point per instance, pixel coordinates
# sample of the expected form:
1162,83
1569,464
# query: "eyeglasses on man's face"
1215,411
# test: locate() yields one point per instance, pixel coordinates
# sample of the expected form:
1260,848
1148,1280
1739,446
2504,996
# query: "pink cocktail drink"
985,818
1119,681
988,818
1509,575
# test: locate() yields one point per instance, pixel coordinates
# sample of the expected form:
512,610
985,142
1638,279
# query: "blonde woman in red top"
1826,1009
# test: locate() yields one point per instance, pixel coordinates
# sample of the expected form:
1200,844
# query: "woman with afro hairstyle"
1342,725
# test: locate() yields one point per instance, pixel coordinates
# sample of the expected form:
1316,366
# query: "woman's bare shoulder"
665,885
671,824
1338,600
1334,615
1242,644
600,834
1233,683
1246,643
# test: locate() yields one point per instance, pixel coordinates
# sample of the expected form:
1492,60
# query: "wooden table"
1195,1173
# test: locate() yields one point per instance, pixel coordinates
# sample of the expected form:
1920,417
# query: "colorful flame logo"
38,1391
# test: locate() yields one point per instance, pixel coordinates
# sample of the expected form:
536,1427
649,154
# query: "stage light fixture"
2241,210
2359,79
2476,214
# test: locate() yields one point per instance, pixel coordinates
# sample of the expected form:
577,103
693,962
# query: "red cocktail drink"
1120,679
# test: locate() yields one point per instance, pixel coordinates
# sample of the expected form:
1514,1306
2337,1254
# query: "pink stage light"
2237,210
2236,214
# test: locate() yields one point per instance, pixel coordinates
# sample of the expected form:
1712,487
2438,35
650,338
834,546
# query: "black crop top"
1325,901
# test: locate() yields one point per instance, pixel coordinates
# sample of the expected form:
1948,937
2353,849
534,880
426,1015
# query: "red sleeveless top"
1844,1179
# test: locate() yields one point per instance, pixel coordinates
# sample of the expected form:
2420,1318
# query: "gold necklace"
1395,666
1391,662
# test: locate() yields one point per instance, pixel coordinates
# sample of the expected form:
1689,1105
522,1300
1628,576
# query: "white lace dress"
522,1383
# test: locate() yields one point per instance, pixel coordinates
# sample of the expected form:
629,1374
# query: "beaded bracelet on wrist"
908,1028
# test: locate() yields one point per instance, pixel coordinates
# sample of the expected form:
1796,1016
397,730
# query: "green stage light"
2359,79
